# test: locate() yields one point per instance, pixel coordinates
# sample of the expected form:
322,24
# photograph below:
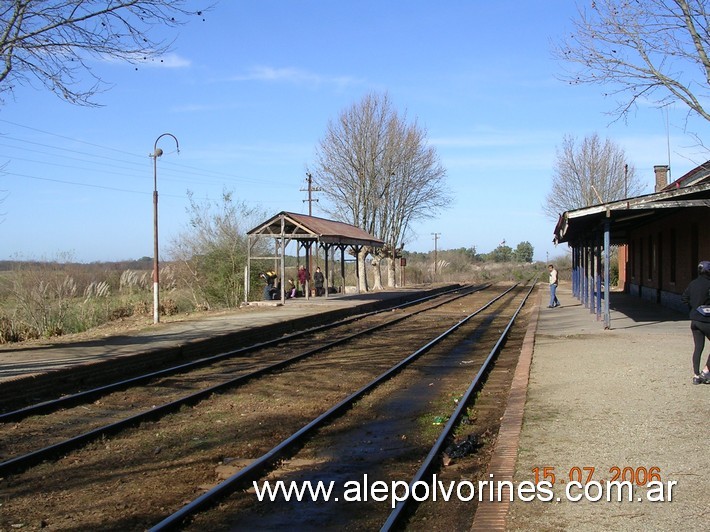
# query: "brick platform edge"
491,515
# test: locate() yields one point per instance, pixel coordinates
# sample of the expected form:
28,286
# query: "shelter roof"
303,227
627,214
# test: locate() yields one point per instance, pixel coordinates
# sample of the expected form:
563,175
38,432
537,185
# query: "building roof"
585,223
697,175
303,227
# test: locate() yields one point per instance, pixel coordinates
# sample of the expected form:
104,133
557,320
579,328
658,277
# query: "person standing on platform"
554,302
696,296
318,281
303,277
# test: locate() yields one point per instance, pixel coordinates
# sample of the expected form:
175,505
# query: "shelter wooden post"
326,249
282,273
357,267
342,268
307,245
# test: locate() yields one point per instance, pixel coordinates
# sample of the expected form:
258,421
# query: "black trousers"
700,330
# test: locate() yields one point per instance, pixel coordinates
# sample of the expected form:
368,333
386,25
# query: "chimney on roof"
661,176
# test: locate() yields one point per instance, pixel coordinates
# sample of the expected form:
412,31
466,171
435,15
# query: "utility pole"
310,190
436,239
310,200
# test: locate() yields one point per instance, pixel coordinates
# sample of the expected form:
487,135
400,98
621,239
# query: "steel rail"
397,515
22,462
94,393
264,463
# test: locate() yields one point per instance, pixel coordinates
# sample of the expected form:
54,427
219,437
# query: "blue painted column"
592,275
599,277
607,240
575,271
585,275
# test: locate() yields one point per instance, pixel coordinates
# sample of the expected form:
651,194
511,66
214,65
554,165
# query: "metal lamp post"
157,152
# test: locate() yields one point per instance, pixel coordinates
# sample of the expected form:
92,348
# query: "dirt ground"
132,481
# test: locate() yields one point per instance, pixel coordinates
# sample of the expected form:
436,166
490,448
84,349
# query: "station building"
661,237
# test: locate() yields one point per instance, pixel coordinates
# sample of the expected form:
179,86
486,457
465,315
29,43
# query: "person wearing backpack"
697,297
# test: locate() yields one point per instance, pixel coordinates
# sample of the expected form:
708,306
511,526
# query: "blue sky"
249,92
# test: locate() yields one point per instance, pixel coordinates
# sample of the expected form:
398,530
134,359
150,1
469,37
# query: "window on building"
650,257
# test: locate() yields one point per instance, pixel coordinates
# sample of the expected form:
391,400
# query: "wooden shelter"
308,231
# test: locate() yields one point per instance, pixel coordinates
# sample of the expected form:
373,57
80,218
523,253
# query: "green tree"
523,252
212,252
502,253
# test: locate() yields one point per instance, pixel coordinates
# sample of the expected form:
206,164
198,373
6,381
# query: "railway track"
72,421
356,354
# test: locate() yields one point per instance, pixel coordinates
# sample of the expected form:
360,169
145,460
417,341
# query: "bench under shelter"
310,233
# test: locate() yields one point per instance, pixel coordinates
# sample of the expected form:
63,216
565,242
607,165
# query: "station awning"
624,215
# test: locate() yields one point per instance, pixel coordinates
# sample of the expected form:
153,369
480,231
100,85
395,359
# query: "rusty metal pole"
156,267
157,152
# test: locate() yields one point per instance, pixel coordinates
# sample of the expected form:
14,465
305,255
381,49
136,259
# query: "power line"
91,185
182,168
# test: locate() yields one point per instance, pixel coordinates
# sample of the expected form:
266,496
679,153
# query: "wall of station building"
662,257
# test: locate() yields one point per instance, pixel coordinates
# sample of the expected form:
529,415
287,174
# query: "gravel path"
614,398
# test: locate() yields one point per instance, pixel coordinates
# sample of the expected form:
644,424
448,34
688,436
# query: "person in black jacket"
697,294
318,281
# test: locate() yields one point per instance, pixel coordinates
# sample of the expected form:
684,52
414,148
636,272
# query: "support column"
326,273
599,277
592,276
247,270
342,268
575,271
607,253
357,268
583,275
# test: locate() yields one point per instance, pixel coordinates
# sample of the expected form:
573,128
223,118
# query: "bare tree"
588,174
53,42
647,50
379,175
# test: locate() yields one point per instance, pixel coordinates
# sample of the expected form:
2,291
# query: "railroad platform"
606,399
